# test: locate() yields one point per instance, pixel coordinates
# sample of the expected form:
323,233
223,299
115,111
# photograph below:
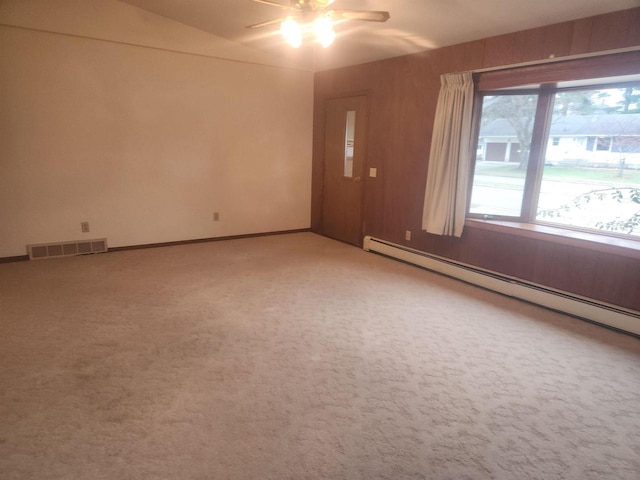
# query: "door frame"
320,172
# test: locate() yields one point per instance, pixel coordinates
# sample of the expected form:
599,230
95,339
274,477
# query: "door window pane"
349,136
591,178
504,143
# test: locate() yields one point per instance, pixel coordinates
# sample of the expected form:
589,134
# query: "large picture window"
565,154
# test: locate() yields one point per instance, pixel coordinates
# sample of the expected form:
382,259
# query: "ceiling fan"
315,16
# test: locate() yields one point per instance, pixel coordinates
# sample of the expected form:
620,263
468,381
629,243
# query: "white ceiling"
415,25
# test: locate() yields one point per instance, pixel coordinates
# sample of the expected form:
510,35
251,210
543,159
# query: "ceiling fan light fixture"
324,31
315,16
291,32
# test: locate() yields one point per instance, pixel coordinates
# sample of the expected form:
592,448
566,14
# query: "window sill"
590,241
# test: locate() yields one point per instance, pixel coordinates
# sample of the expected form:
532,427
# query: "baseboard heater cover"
588,309
66,249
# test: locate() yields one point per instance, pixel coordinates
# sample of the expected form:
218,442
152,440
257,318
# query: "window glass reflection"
348,143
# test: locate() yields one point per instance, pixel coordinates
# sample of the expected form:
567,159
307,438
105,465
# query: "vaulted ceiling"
415,25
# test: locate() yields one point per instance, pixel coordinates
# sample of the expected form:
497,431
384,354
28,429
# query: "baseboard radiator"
582,307
66,249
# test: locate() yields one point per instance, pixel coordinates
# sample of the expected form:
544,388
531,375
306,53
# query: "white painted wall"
143,143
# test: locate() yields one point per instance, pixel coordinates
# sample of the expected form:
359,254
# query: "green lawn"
564,173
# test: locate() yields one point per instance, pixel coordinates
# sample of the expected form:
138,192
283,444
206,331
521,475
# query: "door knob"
357,179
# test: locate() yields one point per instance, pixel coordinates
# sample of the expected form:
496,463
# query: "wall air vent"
66,249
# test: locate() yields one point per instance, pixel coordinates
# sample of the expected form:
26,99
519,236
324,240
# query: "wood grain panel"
504,50
495,252
617,278
403,95
459,58
593,67
407,99
551,268
633,31
547,42
581,36
613,31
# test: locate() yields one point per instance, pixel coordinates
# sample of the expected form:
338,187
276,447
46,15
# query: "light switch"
373,172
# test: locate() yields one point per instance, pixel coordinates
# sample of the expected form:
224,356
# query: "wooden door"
344,164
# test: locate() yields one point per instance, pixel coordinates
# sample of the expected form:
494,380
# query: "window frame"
540,134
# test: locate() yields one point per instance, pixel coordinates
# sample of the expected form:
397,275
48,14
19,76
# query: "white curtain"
445,199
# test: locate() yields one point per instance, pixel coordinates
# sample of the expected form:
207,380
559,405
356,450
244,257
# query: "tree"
630,102
624,145
577,102
519,111
627,225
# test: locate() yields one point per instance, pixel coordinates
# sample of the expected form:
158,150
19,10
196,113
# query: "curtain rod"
554,59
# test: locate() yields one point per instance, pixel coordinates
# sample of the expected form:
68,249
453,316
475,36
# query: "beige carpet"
297,357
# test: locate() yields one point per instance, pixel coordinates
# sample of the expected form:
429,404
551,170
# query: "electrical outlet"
216,216
84,226
407,235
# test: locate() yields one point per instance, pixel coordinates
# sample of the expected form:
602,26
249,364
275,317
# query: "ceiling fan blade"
367,15
276,4
322,4
264,24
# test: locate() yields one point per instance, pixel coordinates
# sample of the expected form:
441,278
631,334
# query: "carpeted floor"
297,357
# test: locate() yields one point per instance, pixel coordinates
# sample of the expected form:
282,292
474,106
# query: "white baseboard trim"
582,307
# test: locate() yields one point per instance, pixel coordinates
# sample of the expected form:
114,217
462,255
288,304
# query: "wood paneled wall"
403,92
